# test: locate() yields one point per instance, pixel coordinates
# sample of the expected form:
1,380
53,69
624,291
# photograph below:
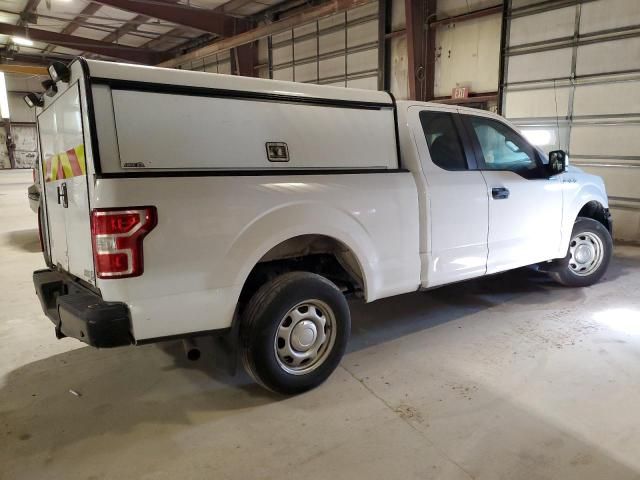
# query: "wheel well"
595,211
319,254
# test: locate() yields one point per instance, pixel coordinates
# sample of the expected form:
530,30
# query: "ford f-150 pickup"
181,204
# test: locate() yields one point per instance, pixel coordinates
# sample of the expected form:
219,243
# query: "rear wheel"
588,257
294,332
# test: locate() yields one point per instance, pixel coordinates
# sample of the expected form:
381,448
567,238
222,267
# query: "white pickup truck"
182,204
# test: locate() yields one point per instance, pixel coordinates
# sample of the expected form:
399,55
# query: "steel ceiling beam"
307,15
40,59
128,27
122,52
175,32
23,69
28,12
72,27
199,18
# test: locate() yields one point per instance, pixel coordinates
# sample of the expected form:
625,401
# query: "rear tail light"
117,235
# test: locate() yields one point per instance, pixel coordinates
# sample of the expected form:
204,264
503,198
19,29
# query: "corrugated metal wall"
218,63
572,81
339,50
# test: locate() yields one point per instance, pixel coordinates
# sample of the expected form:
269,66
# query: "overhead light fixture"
34,100
59,72
25,42
4,99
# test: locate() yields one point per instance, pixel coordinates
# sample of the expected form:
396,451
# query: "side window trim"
466,120
467,142
474,143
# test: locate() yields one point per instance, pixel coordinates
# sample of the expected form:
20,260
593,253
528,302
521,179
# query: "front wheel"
590,250
294,332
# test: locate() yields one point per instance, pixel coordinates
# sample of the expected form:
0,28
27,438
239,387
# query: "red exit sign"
460,92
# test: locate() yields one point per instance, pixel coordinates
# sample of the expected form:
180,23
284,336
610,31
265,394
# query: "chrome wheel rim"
305,336
586,253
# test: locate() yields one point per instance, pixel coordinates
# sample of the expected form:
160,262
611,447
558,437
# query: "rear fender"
292,220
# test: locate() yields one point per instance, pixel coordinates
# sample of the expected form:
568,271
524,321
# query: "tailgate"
65,187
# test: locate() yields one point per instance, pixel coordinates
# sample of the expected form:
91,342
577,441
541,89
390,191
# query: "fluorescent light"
4,100
25,42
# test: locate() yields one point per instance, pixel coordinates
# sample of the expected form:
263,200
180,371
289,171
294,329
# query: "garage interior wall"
572,82
467,52
21,133
342,50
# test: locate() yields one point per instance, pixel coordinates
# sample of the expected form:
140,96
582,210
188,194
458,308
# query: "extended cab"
181,204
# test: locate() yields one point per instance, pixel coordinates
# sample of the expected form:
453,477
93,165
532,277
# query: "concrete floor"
510,377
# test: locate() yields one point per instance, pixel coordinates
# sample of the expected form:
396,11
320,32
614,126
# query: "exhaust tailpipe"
191,350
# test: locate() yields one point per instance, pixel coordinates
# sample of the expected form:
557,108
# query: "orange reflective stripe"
59,170
73,162
67,171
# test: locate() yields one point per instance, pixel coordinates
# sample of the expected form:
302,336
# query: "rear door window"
443,140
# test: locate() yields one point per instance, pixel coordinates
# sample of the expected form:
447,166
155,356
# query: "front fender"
575,199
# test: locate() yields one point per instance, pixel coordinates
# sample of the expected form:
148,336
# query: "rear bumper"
80,313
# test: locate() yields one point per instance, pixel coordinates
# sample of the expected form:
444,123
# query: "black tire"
41,224
261,322
562,271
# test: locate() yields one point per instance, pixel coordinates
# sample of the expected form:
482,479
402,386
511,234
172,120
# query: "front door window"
503,149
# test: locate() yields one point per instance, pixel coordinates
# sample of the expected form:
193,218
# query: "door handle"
62,195
500,193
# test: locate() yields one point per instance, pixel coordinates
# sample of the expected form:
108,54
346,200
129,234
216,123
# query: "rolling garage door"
571,80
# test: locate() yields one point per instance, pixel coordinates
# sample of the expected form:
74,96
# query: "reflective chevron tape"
65,165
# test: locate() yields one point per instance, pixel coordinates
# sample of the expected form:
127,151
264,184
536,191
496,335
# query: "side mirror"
557,162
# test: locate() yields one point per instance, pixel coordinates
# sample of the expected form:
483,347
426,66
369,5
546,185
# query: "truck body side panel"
195,147
227,133
212,230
